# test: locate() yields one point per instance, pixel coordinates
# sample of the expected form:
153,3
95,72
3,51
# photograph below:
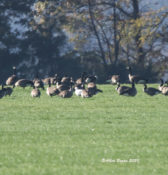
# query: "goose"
164,90
151,91
66,93
115,79
35,92
135,78
38,83
12,79
23,83
161,86
51,91
127,91
92,89
85,94
81,80
78,89
91,79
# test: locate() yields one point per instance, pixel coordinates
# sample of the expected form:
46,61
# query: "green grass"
49,136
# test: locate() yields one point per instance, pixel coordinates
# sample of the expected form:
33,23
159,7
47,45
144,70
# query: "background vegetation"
69,36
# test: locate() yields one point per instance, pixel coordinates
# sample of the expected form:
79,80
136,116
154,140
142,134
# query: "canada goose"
135,78
164,90
35,92
12,79
38,83
161,86
81,80
92,89
127,91
91,79
23,83
79,88
115,79
54,79
85,94
66,93
51,91
151,91
65,80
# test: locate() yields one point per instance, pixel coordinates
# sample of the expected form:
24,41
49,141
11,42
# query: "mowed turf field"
95,136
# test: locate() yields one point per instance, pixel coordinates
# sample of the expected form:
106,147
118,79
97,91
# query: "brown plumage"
66,93
115,79
51,91
135,78
35,92
23,83
92,89
85,94
164,90
12,79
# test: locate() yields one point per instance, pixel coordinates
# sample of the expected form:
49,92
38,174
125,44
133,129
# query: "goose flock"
64,87
85,86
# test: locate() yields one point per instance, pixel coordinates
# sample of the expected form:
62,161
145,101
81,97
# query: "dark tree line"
70,36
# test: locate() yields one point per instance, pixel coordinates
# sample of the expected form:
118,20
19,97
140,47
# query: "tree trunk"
96,33
139,48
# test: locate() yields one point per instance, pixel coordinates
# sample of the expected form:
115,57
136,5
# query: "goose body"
51,91
115,79
12,79
164,90
23,83
85,94
135,78
127,91
151,91
66,93
39,83
35,92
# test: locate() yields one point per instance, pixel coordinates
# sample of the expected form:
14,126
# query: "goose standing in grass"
51,91
35,92
12,79
24,83
127,91
151,91
135,78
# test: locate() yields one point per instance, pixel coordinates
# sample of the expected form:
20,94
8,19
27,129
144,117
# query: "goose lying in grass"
24,83
127,91
35,92
151,91
52,91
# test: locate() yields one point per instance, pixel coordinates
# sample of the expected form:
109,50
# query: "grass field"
50,136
